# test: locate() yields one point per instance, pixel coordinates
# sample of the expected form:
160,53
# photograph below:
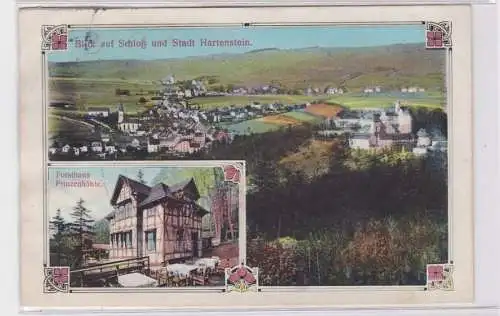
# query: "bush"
378,252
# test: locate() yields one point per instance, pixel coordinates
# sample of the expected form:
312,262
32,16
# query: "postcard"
339,151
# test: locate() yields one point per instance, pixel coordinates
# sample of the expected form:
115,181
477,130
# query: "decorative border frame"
57,278
437,36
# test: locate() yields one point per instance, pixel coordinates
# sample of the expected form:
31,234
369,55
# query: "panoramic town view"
143,227
343,130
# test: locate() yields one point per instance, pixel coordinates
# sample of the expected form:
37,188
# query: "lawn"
58,124
242,100
432,100
101,93
252,127
59,127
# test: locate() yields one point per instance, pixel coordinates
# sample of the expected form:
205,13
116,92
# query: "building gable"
125,188
125,194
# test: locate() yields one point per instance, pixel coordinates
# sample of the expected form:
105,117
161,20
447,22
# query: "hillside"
395,65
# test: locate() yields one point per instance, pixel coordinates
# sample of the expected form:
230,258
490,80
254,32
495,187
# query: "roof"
136,186
131,121
159,192
397,136
187,185
94,109
361,135
162,191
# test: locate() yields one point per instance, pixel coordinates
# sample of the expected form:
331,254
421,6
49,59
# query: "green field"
268,123
303,116
93,83
101,93
433,100
212,102
252,127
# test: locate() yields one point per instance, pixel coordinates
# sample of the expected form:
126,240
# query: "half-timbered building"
163,222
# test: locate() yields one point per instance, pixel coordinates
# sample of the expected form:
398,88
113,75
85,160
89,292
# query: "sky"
260,38
97,199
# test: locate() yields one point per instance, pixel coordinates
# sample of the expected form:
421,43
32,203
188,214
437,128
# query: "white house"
169,141
96,147
135,143
105,138
130,126
110,149
420,151
184,147
103,112
66,148
153,145
360,141
424,141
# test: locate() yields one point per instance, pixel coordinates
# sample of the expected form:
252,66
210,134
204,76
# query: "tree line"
71,241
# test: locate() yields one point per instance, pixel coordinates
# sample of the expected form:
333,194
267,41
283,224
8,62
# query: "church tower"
121,113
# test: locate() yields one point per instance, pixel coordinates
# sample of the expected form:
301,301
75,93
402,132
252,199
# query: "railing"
112,268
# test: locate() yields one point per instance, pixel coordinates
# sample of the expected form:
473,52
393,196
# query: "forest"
353,217
350,217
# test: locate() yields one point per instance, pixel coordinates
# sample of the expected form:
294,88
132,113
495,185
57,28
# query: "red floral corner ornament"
440,277
438,35
56,279
241,279
231,173
55,37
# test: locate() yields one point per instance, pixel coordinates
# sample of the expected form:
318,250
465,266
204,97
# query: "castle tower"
405,123
397,107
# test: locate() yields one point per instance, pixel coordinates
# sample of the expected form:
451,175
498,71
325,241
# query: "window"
129,239
151,240
151,212
180,234
127,210
120,212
